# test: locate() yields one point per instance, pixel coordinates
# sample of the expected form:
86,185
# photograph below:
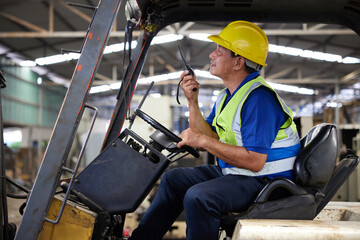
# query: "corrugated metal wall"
27,103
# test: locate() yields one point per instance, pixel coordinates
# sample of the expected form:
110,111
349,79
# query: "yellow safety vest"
227,123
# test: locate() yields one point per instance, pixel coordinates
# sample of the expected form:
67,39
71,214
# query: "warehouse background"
315,67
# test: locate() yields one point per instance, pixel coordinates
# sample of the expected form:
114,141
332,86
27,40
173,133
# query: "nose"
212,54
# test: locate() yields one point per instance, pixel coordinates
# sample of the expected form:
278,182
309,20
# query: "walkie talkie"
191,72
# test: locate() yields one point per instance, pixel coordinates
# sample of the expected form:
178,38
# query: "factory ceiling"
324,57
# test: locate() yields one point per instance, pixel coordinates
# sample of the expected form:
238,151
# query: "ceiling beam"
166,65
24,23
317,26
103,77
286,32
281,73
75,11
60,17
51,16
42,33
151,67
186,26
351,76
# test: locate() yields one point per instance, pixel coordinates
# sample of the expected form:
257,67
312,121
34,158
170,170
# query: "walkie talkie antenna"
188,68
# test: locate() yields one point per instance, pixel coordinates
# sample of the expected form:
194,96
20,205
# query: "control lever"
132,118
191,72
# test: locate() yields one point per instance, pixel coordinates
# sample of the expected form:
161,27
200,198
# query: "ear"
239,62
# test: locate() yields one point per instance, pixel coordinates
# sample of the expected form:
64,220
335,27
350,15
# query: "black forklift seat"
316,180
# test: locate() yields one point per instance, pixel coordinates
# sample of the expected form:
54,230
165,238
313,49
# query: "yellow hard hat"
245,39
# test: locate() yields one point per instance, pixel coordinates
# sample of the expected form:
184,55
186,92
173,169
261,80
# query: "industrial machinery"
91,207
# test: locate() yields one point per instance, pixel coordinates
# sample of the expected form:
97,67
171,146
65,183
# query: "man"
250,131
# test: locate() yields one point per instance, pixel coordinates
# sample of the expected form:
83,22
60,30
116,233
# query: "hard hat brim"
218,40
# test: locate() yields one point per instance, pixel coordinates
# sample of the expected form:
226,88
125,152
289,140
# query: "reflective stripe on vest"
227,122
269,168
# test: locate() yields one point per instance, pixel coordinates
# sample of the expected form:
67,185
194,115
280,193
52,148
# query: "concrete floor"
333,212
13,210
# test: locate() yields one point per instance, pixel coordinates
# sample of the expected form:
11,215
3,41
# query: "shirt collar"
248,78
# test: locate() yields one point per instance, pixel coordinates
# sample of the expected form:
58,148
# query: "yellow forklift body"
76,222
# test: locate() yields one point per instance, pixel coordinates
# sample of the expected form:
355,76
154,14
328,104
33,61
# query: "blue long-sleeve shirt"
261,117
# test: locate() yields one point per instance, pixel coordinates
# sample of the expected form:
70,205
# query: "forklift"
94,204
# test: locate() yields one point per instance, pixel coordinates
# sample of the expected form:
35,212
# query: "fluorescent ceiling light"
118,47
322,56
27,63
166,38
175,75
293,89
204,74
160,78
105,88
306,53
162,39
101,88
351,60
58,58
115,85
200,36
156,95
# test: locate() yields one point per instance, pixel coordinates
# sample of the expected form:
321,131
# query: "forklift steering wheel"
165,131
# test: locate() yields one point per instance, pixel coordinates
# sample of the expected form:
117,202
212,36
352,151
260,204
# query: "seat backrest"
341,173
316,161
